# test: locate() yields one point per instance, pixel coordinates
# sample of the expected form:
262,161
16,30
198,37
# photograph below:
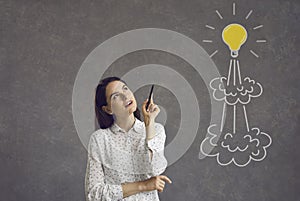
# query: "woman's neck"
126,123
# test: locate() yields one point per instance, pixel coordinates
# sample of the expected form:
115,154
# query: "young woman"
126,156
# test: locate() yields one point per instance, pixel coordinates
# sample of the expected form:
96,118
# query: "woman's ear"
106,109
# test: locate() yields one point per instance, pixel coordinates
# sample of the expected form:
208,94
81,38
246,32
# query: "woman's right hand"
156,183
151,113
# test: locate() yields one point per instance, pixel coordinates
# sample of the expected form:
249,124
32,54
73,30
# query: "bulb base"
234,53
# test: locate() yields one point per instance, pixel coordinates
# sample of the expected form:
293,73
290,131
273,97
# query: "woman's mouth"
128,103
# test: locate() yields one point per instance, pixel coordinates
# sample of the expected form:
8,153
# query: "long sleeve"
156,145
96,188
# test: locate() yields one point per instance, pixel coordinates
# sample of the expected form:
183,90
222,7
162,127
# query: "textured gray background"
43,44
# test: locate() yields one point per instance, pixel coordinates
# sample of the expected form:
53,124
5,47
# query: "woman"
125,156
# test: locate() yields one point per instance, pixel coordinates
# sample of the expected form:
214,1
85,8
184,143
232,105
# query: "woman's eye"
126,88
115,96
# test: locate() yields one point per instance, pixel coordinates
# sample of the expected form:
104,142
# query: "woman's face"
120,100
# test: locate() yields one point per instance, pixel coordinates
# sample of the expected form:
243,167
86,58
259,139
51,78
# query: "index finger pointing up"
151,100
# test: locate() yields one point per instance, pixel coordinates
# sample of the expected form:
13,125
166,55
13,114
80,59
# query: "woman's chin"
131,110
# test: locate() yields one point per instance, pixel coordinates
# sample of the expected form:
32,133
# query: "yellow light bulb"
234,35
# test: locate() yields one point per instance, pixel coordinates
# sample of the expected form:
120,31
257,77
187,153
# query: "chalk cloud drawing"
232,146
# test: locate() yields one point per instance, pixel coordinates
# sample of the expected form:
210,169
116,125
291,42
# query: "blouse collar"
138,127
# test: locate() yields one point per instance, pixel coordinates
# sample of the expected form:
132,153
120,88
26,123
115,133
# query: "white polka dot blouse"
116,157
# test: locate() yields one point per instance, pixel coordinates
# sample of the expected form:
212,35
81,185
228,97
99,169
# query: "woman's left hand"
151,113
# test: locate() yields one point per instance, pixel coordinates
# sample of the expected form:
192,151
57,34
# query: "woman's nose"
124,96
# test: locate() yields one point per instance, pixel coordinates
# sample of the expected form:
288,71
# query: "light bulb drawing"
234,35
229,140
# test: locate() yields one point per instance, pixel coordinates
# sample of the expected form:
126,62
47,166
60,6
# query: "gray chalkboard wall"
44,43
